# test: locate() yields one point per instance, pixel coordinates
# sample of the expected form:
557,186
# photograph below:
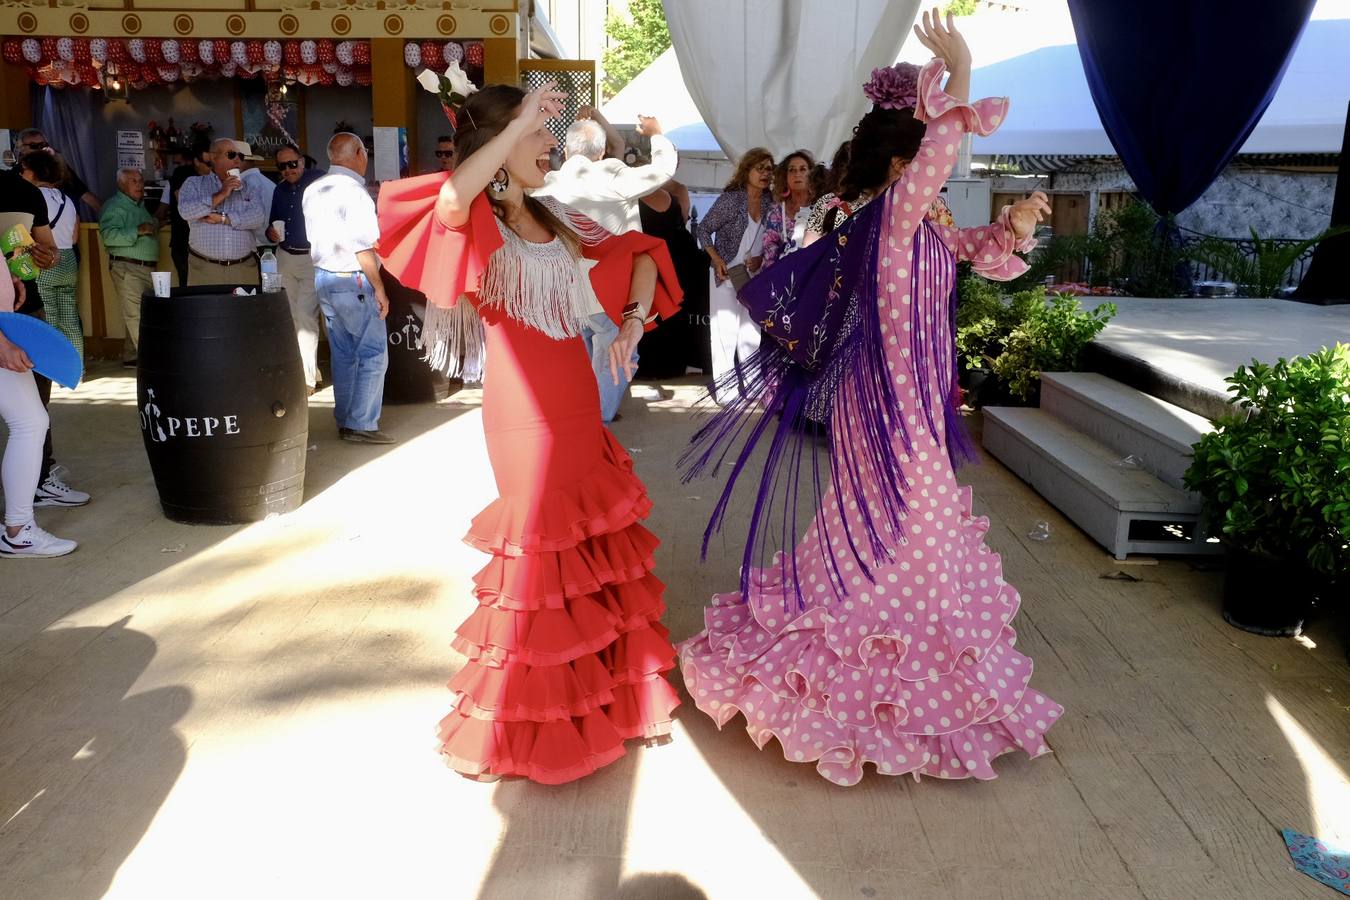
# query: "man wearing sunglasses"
222,215
445,153
293,261
32,140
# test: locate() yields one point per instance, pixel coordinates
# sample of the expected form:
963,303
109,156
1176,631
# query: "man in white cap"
259,184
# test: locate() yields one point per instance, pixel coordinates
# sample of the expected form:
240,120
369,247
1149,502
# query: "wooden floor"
249,711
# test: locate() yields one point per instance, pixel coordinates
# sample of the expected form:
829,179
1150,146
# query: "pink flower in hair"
894,87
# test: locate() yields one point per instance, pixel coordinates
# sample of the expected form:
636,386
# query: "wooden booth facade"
270,60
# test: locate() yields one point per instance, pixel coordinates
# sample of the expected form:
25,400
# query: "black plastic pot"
1266,595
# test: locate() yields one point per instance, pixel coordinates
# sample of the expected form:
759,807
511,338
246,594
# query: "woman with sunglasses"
732,234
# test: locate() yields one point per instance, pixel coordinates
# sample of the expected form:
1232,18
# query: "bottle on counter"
267,266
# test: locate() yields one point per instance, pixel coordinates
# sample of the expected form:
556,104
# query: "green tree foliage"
638,40
961,7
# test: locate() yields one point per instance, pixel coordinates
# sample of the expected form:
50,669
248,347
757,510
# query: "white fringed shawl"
542,286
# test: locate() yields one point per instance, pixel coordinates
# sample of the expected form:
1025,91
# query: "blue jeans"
359,344
598,335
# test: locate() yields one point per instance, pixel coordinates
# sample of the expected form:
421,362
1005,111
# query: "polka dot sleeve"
935,105
989,248
948,119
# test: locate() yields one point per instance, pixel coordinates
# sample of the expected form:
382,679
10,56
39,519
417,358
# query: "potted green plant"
1050,337
1274,478
984,321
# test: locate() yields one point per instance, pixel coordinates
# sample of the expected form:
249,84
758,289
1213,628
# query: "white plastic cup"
233,173
162,282
279,226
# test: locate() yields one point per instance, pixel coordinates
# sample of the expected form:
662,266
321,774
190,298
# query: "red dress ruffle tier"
566,655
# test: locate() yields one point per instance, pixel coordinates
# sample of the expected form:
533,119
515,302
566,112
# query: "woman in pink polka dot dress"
886,637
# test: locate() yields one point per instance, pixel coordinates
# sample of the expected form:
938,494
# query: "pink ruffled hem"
840,750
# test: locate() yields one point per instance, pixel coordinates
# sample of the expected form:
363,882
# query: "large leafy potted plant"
1275,481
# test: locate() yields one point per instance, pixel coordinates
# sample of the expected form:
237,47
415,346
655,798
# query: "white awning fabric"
784,74
1031,56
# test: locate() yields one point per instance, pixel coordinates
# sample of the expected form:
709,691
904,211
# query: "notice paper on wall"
391,153
130,150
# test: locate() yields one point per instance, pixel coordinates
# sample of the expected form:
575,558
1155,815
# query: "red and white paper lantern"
361,53
431,55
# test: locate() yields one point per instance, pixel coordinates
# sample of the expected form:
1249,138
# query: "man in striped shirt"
222,215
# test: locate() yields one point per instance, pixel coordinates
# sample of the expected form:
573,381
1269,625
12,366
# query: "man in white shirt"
343,235
608,190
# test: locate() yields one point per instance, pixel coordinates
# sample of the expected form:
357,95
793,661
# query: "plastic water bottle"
267,264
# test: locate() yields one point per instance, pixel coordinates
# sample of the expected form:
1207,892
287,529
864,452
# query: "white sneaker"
55,492
34,542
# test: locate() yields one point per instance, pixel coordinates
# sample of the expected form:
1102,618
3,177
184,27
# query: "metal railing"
1203,272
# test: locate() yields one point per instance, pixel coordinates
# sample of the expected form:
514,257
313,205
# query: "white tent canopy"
1032,57
659,90
779,75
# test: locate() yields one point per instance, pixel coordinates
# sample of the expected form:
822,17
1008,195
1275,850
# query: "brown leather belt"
222,262
134,262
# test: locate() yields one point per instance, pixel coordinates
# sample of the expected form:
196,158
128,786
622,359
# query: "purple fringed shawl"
824,360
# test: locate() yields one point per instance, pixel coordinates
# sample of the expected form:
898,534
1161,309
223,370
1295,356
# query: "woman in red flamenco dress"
566,654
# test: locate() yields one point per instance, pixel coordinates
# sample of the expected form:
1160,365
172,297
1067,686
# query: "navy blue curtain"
1180,84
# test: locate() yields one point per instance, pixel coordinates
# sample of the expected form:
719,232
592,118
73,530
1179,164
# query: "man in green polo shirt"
131,236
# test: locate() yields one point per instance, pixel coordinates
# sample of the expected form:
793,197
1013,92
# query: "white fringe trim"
453,340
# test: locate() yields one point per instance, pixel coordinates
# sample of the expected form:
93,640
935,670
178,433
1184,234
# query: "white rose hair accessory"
453,87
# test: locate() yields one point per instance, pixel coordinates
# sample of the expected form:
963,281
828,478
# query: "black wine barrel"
221,394
408,379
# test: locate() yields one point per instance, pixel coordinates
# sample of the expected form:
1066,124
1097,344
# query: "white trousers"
734,333
22,412
297,277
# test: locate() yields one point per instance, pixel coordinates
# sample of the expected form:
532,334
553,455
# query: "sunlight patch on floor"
1328,786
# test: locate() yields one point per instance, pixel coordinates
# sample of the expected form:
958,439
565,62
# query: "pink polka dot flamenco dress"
886,636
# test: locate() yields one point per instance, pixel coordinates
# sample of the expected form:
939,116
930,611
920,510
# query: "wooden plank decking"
249,712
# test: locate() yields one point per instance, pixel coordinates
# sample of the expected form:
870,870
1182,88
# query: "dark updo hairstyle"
838,163
881,135
45,167
484,116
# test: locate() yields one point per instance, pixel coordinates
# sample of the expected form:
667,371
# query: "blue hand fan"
52,354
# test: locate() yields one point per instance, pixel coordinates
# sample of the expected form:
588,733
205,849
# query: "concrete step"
1129,422
1125,510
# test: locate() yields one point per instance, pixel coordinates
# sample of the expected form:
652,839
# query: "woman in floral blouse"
785,224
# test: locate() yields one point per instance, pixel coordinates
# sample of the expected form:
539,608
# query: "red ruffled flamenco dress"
566,653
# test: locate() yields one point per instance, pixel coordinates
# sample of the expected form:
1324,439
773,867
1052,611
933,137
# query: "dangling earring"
500,182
